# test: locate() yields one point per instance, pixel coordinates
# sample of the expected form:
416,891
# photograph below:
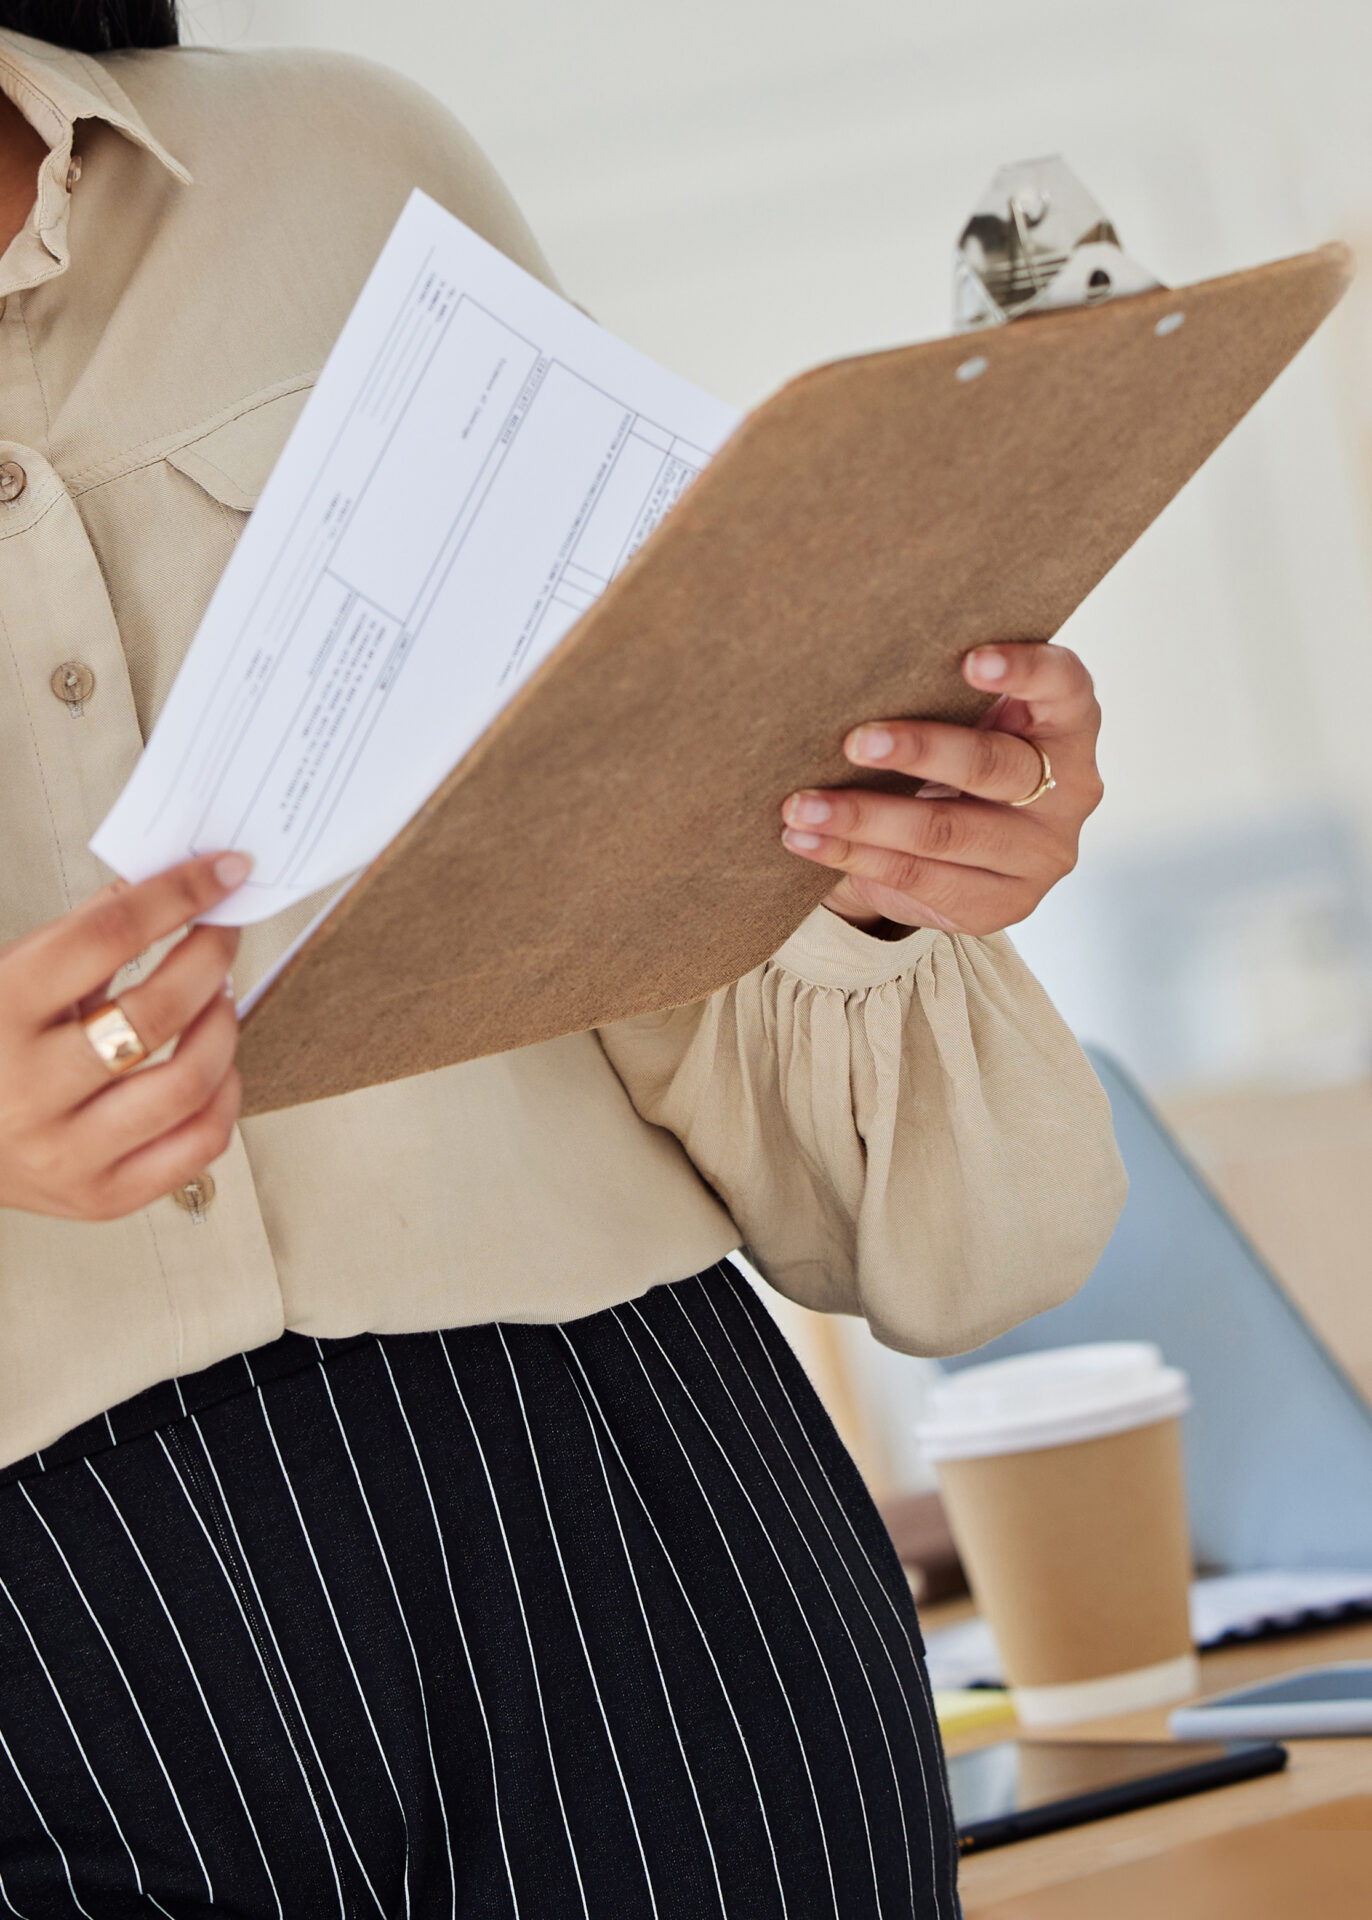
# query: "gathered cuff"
898,1128
827,951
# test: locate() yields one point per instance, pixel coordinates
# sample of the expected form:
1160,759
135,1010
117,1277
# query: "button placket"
60,623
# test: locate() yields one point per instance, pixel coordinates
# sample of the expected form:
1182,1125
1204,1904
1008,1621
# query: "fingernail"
232,869
987,664
800,842
812,808
872,743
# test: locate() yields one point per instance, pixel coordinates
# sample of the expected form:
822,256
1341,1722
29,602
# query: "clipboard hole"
973,369
1098,284
1168,324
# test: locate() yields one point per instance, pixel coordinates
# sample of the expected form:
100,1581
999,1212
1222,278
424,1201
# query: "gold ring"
111,1033
1046,783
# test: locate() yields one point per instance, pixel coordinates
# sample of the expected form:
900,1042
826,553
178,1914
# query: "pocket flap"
232,462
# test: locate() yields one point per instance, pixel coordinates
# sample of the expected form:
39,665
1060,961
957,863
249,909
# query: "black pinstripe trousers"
590,1621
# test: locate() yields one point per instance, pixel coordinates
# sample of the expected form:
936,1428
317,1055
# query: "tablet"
1318,1702
1020,1788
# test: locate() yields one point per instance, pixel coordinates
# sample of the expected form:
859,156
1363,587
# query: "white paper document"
1224,1607
476,463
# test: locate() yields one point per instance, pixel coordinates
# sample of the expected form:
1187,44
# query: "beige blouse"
904,1130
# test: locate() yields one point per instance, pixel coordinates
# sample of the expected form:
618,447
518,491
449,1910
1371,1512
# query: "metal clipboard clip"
1038,241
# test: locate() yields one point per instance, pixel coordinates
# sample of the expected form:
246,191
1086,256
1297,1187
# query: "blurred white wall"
742,187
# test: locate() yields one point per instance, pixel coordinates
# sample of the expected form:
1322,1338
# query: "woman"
404,1506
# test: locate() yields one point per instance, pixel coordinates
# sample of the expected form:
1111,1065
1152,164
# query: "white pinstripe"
252,1640
190,1668
861,1597
584,1387
594,1413
839,1613
338,1629
800,1609
85,1761
576,1618
8,1902
929,1719
281,1661
748,1598
804,1539
652,1643
461,1630
38,1814
409,1637
524,1618
735,1284
133,1698
738,1287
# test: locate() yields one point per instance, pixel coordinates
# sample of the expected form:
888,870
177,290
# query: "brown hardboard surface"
610,846
1314,1863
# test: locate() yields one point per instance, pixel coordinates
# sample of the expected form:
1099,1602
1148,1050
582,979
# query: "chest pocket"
165,529
233,460
113,578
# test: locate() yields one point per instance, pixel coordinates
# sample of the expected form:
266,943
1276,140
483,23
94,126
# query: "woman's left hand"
960,855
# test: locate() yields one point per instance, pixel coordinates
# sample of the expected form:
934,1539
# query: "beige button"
196,1197
73,171
73,683
13,480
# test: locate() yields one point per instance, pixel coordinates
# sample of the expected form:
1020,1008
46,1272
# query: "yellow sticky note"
961,1709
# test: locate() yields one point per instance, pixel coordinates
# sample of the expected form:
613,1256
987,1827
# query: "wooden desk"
1318,1771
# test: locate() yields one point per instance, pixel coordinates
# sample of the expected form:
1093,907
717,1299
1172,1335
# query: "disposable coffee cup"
1062,1475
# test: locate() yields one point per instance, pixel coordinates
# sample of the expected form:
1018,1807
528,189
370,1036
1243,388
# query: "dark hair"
93,26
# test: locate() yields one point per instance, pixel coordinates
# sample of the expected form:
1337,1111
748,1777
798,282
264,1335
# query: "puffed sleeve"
901,1129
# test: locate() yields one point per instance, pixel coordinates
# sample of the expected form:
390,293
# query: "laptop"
1279,1440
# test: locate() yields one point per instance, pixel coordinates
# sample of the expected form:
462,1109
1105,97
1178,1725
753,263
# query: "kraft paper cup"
1062,1475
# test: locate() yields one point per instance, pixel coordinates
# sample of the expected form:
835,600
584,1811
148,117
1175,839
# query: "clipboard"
610,847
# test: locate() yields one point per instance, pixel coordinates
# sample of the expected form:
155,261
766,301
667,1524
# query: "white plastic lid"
1051,1399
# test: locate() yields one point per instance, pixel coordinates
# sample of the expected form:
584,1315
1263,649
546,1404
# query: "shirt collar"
54,88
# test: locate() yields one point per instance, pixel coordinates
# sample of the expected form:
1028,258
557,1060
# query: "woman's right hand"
75,1141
